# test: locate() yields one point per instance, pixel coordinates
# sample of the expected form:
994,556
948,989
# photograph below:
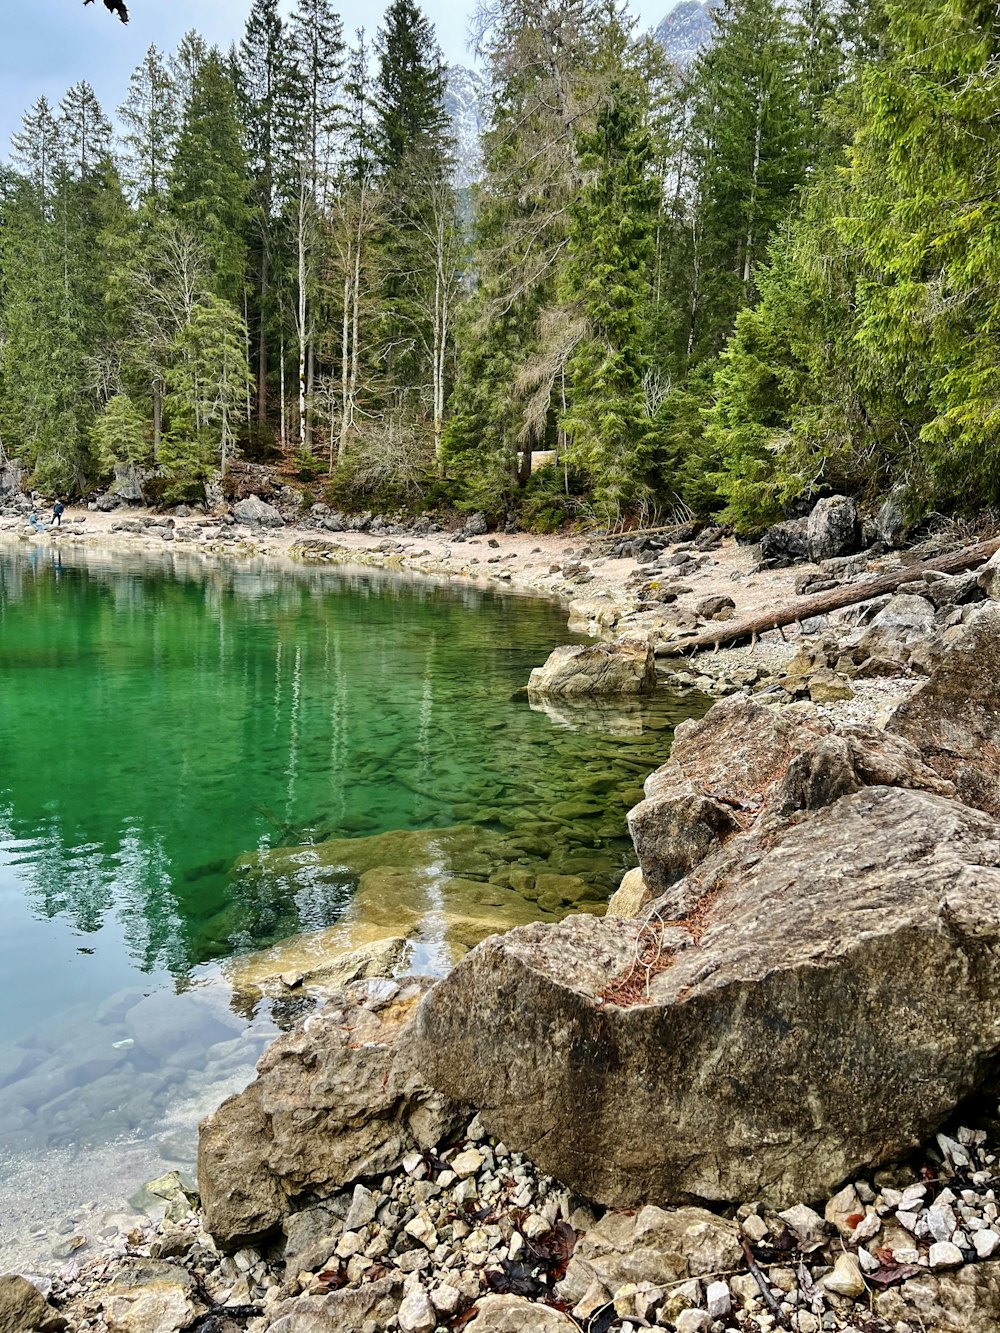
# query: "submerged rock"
748,1050
626,666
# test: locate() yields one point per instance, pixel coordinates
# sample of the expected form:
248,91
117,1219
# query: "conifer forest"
722,285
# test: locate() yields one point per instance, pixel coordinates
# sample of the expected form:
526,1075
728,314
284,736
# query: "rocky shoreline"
740,1101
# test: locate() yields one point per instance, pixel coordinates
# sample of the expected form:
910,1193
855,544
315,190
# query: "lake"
201,759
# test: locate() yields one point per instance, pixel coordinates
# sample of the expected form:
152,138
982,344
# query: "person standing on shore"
57,513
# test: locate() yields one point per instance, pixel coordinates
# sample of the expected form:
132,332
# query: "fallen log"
732,631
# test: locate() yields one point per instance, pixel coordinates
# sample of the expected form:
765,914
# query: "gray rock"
785,543
892,521
336,1100
476,525
966,1301
626,666
151,1296
833,528
752,1057
953,718
257,513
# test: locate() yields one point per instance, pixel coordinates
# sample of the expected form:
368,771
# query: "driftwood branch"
763,1286
733,631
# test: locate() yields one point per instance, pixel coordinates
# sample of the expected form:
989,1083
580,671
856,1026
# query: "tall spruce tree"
208,178
151,119
610,250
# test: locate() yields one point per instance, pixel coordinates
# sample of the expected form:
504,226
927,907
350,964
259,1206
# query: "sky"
47,45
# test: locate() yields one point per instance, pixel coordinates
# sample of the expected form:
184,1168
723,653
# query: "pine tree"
151,121
208,177
85,130
749,125
409,91
610,251
38,148
265,89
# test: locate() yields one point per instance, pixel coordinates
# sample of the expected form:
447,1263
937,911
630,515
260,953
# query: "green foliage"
119,434
609,257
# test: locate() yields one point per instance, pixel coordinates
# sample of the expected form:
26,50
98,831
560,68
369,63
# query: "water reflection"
163,717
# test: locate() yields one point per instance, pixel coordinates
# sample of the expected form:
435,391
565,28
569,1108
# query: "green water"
161,719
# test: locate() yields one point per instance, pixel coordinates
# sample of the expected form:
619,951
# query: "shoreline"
439,1276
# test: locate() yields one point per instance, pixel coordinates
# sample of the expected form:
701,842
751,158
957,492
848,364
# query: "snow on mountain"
686,29
463,101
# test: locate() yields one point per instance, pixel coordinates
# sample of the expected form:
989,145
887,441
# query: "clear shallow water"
161,718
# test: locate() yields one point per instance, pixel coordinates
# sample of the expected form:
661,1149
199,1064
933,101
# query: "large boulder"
785,543
819,999
743,759
23,1308
833,528
626,666
257,513
718,767
892,520
953,718
337,1099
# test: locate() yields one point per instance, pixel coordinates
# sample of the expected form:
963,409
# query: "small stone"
693,1321
535,1225
592,1299
350,1243
446,1299
943,1254
908,1221
362,1210
718,1300
867,1260
806,1225
414,1165
986,1244
846,1278
421,1228
467,1163
754,1228
416,1313
292,979
476,1130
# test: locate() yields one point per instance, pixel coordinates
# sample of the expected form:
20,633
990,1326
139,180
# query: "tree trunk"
265,278
733,631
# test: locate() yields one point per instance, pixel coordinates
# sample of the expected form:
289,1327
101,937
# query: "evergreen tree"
150,117
38,149
85,130
749,124
208,177
409,91
265,89
610,250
